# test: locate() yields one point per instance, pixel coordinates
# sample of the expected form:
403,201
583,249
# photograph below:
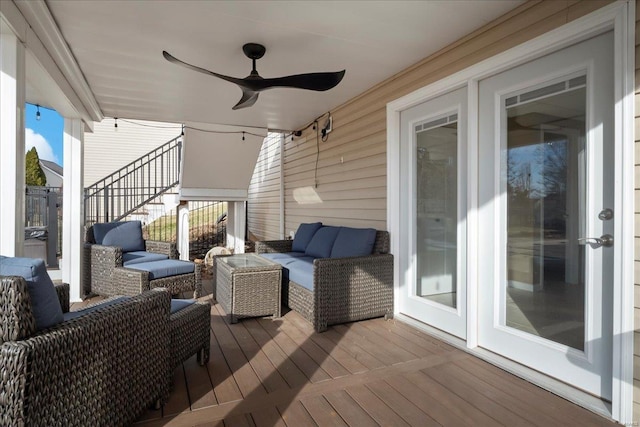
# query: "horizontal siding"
350,180
107,149
263,217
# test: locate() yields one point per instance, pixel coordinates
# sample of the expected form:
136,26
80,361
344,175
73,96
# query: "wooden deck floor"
266,372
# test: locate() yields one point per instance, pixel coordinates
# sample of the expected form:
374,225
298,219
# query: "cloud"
32,139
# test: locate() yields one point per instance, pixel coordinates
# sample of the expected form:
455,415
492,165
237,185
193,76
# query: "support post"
52,229
12,179
236,226
182,238
73,207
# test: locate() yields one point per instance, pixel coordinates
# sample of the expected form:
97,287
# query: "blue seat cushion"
126,235
164,268
322,242
179,304
301,272
45,304
75,314
353,242
304,235
136,257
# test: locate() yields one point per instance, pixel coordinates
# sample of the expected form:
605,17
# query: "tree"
33,172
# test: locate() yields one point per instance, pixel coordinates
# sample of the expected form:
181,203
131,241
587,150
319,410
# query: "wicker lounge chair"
128,269
100,261
103,368
344,289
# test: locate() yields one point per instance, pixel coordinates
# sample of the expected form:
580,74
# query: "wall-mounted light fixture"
327,127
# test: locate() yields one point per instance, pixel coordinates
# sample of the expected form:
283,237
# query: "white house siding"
264,192
107,149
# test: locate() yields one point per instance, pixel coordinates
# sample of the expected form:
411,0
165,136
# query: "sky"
44,134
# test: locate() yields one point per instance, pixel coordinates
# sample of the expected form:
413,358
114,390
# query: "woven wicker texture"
129,281
190,333
248,292
104,368
344,289
271,246
101,261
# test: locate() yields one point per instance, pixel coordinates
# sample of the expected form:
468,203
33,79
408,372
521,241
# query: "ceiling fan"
253,84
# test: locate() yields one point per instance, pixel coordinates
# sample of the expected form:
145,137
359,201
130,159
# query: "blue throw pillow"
126,235
353,242
322,242
304,235
44,299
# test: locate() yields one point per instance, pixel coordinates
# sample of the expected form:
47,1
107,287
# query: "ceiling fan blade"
175,60
309,81
248,99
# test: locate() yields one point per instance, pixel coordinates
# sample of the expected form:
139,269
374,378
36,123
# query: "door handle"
605,240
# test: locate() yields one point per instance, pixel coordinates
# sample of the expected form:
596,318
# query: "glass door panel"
437,213
544,194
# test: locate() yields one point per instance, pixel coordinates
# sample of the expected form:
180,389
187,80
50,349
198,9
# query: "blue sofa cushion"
44,299
277,256
126,235
301,271
164,268
75,314
179,304
322,242
136,257
304,235
353,242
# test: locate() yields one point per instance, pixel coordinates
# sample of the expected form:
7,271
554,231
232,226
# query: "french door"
545,213
433,147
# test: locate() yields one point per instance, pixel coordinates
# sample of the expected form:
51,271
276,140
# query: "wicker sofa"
102,368
343,288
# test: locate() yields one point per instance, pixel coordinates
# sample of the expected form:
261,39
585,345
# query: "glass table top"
245,261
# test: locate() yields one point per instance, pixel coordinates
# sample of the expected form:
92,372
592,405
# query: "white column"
182,238
236,226
12,177
73,206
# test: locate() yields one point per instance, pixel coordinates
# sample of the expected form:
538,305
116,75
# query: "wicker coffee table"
248,285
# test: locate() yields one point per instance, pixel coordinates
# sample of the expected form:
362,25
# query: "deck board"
293,342
279,372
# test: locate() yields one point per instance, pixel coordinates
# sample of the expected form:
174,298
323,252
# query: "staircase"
135,190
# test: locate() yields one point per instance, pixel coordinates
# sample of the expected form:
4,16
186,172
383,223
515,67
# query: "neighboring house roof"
53,172
53,167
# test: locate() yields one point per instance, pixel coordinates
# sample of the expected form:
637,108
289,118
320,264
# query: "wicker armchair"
101,261
103,368
344,289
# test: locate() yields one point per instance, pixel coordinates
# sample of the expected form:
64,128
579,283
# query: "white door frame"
619,17
449,319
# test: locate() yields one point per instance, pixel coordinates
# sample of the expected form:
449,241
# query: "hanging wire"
148,125
183,127
226,132
317,154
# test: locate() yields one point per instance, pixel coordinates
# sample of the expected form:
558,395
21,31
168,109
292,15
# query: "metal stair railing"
134,185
